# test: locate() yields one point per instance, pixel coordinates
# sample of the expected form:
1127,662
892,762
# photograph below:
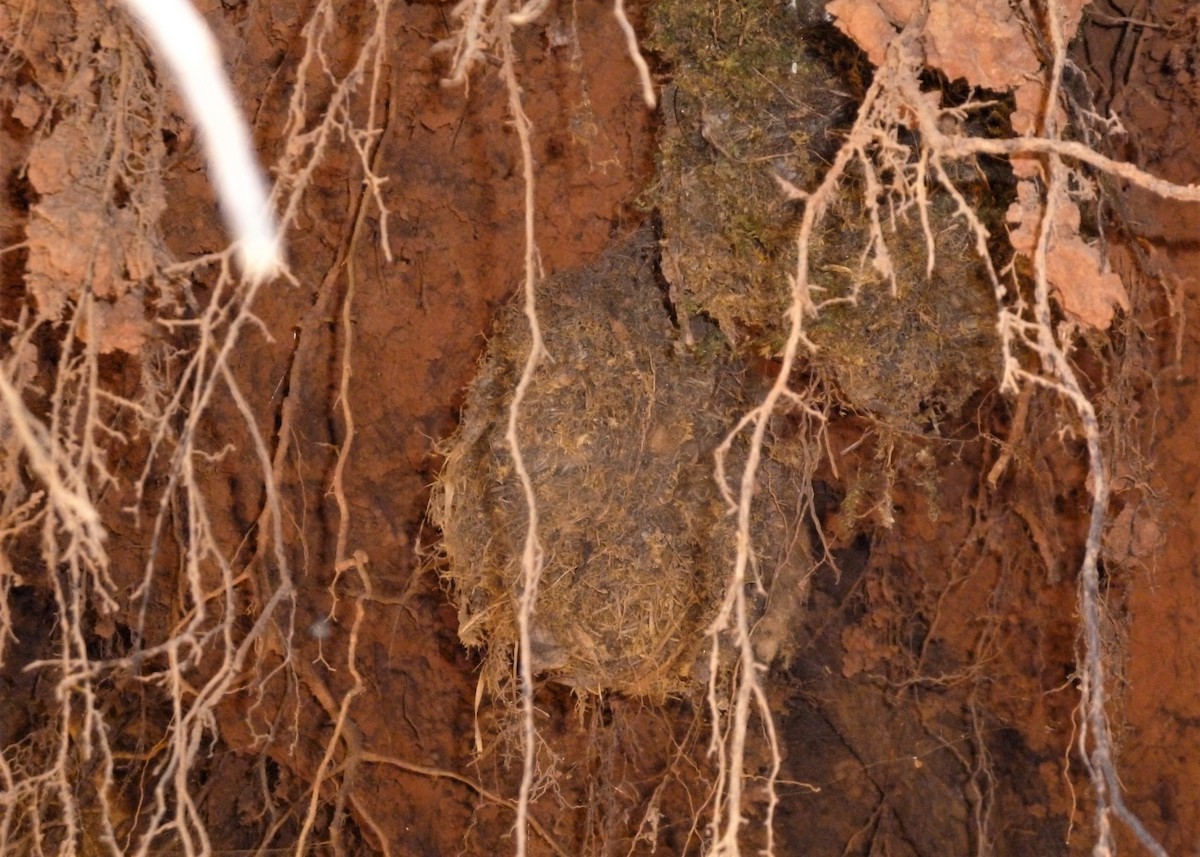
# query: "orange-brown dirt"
1152,85
930,698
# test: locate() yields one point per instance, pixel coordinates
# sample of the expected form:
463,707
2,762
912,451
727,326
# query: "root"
59,502
68,450
179,32
895,100
532,556
635,54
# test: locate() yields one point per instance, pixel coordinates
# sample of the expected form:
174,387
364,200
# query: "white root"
186,44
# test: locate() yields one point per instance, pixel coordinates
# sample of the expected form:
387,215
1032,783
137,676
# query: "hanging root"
183,39
895,103
45,802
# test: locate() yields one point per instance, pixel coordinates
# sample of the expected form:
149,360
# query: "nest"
755,99
916,355
617,432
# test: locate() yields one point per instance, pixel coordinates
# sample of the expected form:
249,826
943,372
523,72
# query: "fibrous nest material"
617,432
759,96
913,354
746,105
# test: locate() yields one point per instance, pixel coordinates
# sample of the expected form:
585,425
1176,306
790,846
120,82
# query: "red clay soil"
929,703
1153,86
456,228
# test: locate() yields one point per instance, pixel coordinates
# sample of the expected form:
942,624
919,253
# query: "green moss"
733,119
915,356
752,101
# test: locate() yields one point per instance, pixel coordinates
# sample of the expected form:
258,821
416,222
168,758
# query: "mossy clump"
617,432
911,356
762,91
747,103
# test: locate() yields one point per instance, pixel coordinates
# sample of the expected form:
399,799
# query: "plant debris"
617,431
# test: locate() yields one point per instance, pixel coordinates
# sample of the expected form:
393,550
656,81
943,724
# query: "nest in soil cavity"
617,431
915,355
757,96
